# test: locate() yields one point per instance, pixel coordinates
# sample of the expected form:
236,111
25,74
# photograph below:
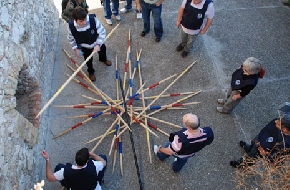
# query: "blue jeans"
156,13
177,165
128,4
107,8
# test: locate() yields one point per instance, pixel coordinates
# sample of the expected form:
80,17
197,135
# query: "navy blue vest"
192,18
239,80
87,37
189,146
80,179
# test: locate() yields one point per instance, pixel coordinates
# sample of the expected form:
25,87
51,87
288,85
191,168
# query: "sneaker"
234,164
143,34
184,53
156,149
220,109
158,39
124,10
92,77
221,101
242,144
118,17
179,47
109,21
108,63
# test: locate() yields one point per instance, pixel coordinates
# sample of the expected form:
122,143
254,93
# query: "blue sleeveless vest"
86,37
192,18
80,179
190,146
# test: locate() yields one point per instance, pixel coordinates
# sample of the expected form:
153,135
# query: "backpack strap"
92,22
72,28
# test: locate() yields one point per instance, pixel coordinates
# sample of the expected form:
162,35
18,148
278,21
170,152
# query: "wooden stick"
72,76
93,149
121,156
183,72
162,121
64,85
180,100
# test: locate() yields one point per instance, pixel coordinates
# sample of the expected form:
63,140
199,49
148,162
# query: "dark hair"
82,156
79,13
285,121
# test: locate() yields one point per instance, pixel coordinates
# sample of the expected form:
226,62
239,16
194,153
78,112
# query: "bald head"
190,120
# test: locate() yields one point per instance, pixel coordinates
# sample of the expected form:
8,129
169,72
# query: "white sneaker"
155,149
118,17
221,101
124,10
109,21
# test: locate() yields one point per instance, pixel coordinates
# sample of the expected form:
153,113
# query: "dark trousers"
102,57
251,150
99,178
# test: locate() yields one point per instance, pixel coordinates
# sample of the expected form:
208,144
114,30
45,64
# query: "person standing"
185,143
194,17
148,6
87,174
86,34
127,7
244,79
108,11
68,7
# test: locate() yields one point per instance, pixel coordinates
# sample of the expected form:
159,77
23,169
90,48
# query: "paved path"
241,29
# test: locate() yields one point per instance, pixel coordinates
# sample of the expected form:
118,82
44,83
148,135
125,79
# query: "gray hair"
252,65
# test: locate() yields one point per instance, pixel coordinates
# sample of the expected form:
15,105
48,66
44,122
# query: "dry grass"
265,173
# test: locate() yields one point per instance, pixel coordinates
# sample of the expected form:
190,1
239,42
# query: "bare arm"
179,16
98,158
49,175
206,26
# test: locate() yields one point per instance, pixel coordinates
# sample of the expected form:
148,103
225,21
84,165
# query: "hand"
202,31
97,48
236,96
262,151
77,51
138,7
44,154
158,3
178,24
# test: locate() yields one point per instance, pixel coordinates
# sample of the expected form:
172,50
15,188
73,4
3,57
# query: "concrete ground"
241,29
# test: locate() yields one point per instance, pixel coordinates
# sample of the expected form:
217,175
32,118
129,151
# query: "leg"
161,155
102,172
62,182
107,9
103,53
158,27
178,164
128,5
87,53
146,17
190,41
115,4
183,37
230,103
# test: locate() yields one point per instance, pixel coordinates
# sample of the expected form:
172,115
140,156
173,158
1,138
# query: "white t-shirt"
208,15
99,166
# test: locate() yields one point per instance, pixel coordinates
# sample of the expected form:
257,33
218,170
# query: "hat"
252,65
284,114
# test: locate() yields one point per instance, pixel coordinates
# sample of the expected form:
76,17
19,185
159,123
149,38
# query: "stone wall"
28,33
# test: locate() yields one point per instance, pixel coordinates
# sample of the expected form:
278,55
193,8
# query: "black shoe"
179,47
143,34
158,39
234,164
242,144
184,53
